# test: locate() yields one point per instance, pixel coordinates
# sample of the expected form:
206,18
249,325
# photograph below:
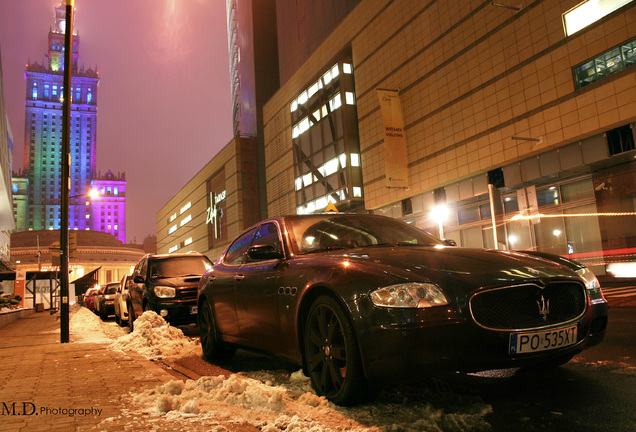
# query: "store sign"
215,213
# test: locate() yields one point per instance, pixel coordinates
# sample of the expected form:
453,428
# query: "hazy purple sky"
164,95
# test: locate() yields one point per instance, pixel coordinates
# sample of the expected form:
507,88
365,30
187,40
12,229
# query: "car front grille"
188,293
528,306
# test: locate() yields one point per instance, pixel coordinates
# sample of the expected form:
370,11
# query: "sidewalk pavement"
43,381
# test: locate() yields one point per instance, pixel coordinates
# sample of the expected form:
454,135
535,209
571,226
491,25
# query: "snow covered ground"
265,400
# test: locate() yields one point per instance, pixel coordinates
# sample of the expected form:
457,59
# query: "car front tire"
332,356
213,349
131,317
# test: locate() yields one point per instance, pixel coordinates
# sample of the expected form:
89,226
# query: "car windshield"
355,230
111,289
179,266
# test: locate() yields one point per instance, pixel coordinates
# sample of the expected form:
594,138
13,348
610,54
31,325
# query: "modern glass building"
511,127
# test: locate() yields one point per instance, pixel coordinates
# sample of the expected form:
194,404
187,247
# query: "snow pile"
288,407
87,327
155,339
239,399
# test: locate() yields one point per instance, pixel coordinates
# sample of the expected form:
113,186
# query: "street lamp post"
66,170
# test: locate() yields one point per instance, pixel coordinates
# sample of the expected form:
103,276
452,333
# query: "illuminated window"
608,63
588,12
172,229
335,102
187,241
186,219
185,207
302,98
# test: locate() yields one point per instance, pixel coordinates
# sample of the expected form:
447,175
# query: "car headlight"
409,295
165,292
592,284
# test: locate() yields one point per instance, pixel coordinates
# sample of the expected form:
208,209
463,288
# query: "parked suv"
105,300
167,285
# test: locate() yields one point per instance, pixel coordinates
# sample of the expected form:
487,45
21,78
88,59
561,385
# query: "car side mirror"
449,242
138,279
264,252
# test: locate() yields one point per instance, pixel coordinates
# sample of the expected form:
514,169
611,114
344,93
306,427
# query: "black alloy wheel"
213,349
332,356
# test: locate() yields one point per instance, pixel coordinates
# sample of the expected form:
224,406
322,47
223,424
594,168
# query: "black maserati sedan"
362,300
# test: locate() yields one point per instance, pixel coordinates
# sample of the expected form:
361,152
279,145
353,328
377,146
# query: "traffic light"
72,244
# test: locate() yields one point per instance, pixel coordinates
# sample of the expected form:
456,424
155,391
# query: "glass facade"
326,146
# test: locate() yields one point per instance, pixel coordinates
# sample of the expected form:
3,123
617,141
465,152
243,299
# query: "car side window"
267,234
237,251
142,269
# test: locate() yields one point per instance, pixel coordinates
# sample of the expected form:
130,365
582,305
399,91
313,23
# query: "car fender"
329,282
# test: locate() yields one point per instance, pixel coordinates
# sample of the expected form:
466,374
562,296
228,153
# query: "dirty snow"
267,400
155,339
86,327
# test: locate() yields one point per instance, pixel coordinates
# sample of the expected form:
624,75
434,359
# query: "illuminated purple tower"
43,140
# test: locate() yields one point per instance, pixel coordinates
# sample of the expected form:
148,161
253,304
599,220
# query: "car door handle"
238,277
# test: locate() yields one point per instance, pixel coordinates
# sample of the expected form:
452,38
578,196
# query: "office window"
620,140
606,64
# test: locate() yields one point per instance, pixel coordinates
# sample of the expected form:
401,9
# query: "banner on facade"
20,285
528,204
395,158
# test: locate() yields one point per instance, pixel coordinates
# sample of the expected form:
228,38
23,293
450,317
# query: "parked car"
362,300
105,300
167,284
89,298
121,299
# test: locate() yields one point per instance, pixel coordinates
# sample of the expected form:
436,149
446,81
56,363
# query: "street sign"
54,249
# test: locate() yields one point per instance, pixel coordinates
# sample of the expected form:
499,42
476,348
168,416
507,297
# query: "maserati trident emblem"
544,307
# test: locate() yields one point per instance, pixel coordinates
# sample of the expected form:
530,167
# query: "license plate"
521,343
193,309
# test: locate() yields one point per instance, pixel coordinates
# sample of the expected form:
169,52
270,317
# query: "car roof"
175,255
316,216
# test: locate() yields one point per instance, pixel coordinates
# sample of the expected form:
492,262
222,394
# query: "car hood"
475,267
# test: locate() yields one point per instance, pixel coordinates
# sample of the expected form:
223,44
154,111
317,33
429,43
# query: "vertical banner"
395,159
20,285
528,205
